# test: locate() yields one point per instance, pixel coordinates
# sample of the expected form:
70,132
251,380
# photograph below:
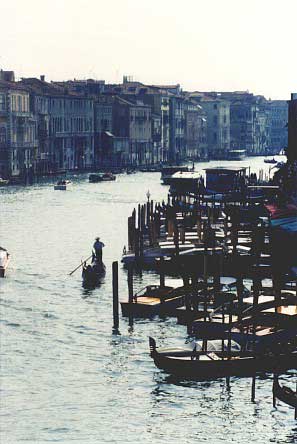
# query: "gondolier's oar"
80,265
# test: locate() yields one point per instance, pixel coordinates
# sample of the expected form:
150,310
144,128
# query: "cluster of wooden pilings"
144,227
227,239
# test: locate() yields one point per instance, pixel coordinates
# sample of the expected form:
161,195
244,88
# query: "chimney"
42,78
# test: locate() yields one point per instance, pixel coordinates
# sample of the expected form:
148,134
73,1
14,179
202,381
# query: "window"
2,102
2,135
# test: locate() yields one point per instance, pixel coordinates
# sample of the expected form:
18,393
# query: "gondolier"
97,249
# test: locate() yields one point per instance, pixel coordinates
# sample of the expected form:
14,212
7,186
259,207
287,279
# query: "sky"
204,45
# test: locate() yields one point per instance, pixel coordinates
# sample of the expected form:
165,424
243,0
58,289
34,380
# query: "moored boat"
101,177
270,160
3,182
168,170
283,393
4,261
154,300
205,364
62,185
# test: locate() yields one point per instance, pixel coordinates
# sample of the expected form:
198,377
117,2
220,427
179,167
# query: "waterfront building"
177,146
217,111
250,122
132,120
278,115
196,131
103,143
70,126
159,102
18,131
156,139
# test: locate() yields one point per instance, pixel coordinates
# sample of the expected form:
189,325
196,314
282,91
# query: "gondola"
283,393
205,364
154,300
92,274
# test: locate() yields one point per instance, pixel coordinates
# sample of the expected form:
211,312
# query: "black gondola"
203,365
283,393
92,274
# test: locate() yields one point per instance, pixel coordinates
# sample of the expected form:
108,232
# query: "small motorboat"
101,177
62,185
93,273
3,182
270,160
4,261
153,300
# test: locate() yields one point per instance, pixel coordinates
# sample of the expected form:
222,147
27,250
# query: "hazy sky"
201,44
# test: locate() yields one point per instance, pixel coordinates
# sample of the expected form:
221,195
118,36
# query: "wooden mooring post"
115,297
130,296
161,271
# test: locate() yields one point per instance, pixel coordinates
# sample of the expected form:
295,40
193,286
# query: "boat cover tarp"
277,212
288,224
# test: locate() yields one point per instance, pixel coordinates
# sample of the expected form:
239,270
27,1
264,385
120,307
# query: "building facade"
196,131
218,124
278,115
132,120
18,133
68,120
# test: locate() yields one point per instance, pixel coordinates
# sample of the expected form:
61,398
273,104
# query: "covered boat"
101,177
62,185
154,300
4,261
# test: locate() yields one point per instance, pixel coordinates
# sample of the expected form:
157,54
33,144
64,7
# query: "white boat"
4,261
62,185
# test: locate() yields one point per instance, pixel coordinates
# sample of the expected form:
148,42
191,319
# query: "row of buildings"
53,126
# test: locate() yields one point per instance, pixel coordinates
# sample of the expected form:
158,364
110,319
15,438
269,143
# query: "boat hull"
141,310
92,277
284,394
187,367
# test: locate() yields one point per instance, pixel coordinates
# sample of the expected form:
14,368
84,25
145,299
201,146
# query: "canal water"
64,376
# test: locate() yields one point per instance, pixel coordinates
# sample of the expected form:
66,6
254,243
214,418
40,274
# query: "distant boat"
270,160
168,170
101,177
4,261
3,182
62,185
236,154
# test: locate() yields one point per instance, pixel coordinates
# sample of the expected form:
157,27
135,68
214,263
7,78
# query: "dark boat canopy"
223,179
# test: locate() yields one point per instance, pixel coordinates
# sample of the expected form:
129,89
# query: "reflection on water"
64,376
